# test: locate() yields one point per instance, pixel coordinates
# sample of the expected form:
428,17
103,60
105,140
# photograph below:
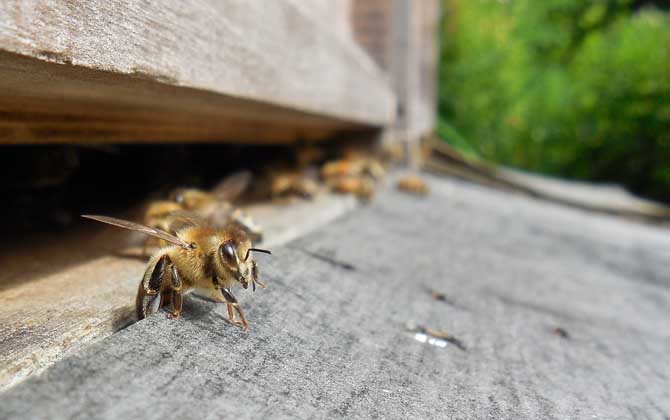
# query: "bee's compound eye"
228,253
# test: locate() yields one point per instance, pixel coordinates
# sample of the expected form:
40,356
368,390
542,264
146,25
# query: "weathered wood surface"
402,38
329,336
207,71
60,293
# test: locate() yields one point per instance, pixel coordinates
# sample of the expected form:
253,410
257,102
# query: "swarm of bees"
206,248
204,243
351,172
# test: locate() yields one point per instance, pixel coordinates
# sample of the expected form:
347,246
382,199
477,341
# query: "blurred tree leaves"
572,88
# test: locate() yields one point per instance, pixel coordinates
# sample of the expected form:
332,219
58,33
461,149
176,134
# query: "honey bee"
200,259
355,174
353,166
413,184
292,183
394,153
157,213
361,187
213,207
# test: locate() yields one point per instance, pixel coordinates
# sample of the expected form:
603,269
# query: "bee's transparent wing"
157,233
232,186
181,219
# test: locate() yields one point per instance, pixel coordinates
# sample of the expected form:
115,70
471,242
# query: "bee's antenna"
256,250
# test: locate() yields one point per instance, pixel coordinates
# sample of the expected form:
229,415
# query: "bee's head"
232,266
230,256
233,257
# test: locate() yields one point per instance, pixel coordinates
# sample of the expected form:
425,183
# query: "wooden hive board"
115,71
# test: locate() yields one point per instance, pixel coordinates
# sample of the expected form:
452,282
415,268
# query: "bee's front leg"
254,277
225,296
233,305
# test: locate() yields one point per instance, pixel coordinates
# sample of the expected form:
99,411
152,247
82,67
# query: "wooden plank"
60,293
336,333
50,103
214,70
332,14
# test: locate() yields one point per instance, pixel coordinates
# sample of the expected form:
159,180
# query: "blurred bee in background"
200,259
281,183
212,207
356,173
289,183
353,166
361,187
413,184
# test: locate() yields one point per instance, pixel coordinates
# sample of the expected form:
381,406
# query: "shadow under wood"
33,257
123,317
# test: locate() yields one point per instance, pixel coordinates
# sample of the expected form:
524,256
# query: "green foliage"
572,88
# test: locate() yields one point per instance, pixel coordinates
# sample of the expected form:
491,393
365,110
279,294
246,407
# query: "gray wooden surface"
329,338
62,292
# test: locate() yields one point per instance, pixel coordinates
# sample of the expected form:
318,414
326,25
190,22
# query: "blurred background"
571,88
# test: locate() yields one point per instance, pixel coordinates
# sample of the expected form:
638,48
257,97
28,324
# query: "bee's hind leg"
149,297
177,297
160,286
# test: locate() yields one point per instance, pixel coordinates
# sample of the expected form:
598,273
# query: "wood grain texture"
206,71
52,103
328,338
60,293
